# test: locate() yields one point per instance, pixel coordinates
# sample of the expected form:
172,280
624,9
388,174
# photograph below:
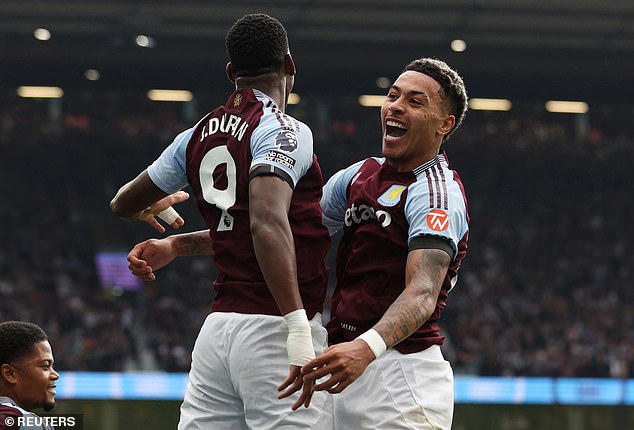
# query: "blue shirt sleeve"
168,171
287,148
450,224
334,201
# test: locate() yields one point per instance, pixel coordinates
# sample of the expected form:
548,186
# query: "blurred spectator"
545,290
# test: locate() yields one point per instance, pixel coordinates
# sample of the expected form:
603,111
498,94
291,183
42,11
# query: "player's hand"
150,214
149,256
344,362
299,346
293,383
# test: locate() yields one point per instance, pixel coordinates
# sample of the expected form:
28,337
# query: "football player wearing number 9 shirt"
258,186
405,228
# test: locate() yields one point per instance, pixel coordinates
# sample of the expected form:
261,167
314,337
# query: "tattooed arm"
424,274
345,362
147,257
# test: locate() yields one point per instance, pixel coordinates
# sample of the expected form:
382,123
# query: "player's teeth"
395,124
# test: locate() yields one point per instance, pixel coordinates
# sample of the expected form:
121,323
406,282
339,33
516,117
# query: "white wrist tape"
374,341
169,215
299,343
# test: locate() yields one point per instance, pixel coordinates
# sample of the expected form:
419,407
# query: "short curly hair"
17,339
452,86
257,44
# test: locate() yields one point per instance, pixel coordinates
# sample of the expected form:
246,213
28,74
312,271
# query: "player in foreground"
258,186
405,224
27,377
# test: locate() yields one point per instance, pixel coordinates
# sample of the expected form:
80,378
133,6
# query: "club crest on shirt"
392,196
437,220
237,100
286,140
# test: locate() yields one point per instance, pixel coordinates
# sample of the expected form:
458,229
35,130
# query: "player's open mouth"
394,129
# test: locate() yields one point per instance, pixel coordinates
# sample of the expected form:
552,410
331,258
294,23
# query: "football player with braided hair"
258,185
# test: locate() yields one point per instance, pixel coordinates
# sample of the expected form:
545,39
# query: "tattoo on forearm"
194,244
405,316
415,305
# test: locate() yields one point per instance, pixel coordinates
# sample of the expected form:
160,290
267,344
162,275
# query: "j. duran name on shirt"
231,124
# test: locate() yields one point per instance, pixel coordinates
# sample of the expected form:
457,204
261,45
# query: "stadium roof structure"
570,49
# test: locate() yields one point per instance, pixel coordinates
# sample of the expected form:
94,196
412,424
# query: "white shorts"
237,363
397,391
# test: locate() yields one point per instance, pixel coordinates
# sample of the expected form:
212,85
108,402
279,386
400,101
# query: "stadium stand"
544,291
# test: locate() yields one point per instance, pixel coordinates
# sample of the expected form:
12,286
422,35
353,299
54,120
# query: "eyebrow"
412,92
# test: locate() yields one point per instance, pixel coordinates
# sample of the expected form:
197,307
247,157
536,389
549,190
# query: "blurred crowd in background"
545,290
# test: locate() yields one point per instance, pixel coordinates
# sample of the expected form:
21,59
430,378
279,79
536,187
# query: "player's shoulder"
274,119
434,174
436,188
9,414
366,167
279,131
435,204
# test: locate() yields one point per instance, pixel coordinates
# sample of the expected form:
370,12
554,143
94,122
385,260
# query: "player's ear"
289,65
447,124
7,373
230,74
